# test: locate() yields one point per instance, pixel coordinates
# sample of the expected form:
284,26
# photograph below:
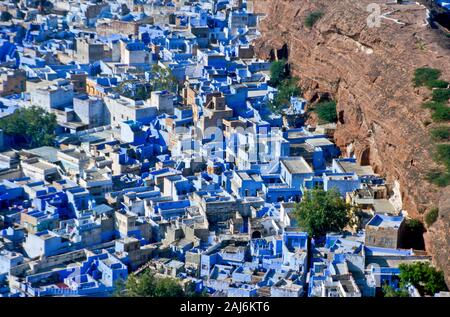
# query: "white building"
163,101
57,95
125,109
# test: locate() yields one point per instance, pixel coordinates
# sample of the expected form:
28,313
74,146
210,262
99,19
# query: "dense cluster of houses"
197,181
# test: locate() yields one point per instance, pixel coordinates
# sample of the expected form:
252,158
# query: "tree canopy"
160,79
389,291
148,285
31,127
5,16
286,85
287,89
441,133
278,72
163,79
423,276
321,212
134,89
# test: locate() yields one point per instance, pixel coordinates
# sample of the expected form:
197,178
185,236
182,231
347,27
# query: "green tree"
168,287
134,89
32,127
423,276
189,291
278,72
287,89
142,286
142,93
119,288
148,285
5,16
163,79
321,212
326,111
389,291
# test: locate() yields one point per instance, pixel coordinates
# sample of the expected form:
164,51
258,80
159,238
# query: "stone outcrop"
368,69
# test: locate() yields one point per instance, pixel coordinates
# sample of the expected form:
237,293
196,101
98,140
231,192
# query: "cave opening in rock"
321,97
412,235
283,52
314,98
272,55
365,157
341,117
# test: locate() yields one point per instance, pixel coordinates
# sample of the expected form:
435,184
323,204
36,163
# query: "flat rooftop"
48,153
319,142
384,206
350,167
252,176
297,166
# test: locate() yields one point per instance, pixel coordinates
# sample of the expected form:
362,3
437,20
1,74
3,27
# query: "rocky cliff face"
368,69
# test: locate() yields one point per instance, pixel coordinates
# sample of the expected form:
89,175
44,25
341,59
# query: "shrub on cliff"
438,84
433,105
278,72
441,95
5,16
442,113
439,178
443,154
431,216
441,133
312,18
425,76
326,111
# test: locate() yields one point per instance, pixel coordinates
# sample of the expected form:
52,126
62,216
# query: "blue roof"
386,221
